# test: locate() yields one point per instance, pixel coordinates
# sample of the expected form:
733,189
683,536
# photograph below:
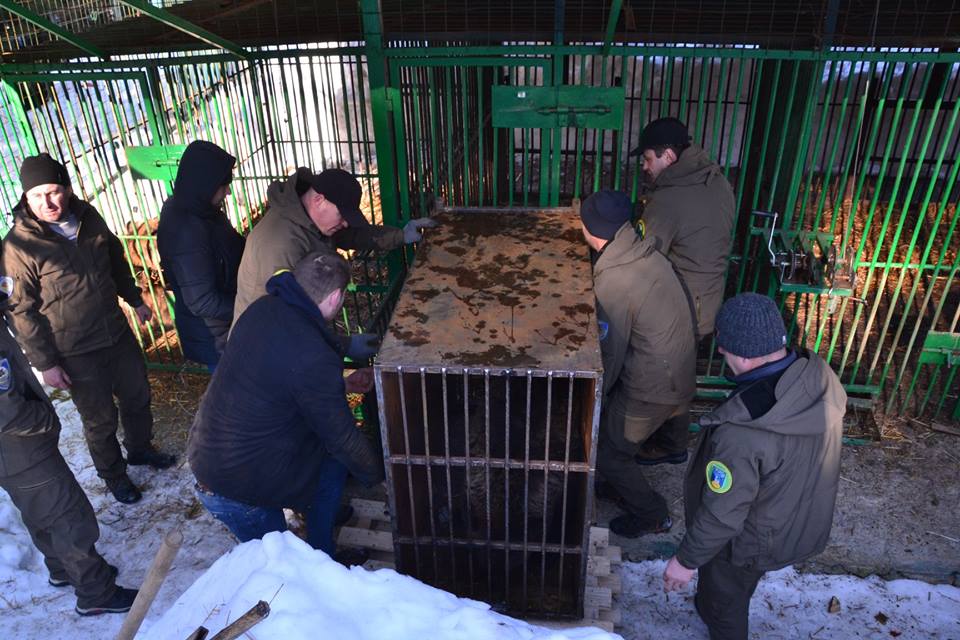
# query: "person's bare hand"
360,381
56,377
676,576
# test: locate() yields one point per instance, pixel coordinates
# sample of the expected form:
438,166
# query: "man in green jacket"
54,508
761,487
67,270
311,212
689,215
647,343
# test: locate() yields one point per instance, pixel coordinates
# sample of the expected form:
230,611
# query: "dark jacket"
276,405
29,428
648,346
286,234
689,213
64,299
771,503
200,252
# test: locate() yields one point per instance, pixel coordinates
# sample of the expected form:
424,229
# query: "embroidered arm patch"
719,477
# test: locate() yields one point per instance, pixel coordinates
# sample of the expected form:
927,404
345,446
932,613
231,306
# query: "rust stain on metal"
500,290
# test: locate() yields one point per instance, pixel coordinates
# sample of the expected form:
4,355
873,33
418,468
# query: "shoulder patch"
604,328
641,229
6,286
719,477
6,375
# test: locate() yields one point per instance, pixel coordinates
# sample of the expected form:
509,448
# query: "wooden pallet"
369,528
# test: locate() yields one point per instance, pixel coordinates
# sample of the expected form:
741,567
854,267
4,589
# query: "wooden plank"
373,565
598,566
611,582
372,509
942,428
614,555
365,539
610,615
599,539
597,598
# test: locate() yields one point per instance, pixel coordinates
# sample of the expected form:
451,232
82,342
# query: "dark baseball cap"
663,132
342,189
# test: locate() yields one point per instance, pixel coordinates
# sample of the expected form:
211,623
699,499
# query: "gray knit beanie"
750,325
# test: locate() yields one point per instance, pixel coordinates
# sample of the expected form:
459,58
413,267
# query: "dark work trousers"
97,377
674,434
723,598
623,430
63,527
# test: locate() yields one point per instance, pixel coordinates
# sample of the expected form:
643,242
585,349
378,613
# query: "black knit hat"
750,325
342,189
664,132
604,212
42,169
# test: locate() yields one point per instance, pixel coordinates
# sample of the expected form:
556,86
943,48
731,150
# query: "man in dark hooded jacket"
274,429
761,487
200,251
54,508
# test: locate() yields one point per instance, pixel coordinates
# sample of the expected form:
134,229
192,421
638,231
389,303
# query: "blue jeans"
250,522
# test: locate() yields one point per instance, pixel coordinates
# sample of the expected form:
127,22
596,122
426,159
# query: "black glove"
363,346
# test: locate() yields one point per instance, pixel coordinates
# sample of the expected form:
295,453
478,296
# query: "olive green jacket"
286,235
761,490
689,214
647,337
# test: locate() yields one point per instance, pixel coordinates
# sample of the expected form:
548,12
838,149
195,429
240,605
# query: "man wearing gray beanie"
761,486
647,343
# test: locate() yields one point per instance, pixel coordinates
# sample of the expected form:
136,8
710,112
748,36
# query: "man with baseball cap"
67,270
760,489
309,212
648,347
688,213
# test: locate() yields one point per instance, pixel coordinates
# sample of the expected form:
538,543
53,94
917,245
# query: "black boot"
351,556
120,602
152,457
124,490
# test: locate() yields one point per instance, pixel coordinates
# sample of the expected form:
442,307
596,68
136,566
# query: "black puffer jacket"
276,405
200,252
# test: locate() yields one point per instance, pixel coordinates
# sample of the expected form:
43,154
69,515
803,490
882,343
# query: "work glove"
411,230
363,346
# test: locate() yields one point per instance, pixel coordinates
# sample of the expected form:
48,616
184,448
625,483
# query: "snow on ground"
317,594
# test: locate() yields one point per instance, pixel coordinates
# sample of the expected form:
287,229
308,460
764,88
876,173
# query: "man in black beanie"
67,271
761,487
647,343
688,213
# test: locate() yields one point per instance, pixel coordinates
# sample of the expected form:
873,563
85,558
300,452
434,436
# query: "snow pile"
308,592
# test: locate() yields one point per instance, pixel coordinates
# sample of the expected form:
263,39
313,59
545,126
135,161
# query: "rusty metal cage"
489,384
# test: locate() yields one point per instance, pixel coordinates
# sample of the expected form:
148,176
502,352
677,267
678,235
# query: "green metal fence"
858,146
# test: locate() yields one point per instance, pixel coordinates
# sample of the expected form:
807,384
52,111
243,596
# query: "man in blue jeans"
274,429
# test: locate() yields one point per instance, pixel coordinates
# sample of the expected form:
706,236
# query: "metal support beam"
48,26
187,27
612,19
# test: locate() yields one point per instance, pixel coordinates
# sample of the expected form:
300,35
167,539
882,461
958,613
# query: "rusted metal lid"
501,290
